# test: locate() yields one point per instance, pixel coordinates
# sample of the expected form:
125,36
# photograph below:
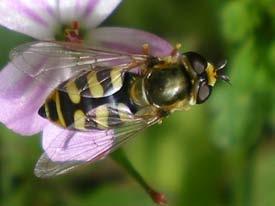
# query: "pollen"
72,32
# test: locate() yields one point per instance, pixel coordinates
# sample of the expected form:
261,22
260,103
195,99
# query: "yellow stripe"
58,108
79,120
123,112
73,92
116,78
47,110
95,87
102,115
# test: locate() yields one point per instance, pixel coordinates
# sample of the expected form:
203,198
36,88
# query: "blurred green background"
218,153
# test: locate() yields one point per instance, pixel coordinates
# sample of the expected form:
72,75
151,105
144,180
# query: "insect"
104,93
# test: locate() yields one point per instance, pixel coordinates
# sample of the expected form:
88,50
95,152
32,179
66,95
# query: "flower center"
70,32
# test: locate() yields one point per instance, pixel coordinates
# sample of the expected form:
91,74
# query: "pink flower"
67,20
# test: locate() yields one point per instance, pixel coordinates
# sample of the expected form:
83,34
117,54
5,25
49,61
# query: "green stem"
121,158
249,174
248,178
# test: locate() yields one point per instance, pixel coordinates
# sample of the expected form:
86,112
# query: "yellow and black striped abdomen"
73,111
52,109
95,84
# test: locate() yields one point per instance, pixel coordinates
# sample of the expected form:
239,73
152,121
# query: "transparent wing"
71,149
56,62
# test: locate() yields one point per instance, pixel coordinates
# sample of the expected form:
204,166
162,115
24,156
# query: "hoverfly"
108,96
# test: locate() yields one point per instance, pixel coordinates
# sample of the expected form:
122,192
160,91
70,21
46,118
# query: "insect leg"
145,49
175,51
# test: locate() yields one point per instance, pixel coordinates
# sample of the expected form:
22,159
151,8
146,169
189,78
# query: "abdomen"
88,113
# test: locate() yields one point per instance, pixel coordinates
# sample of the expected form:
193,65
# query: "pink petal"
87,7
129,40
20,99
25,16
96,11
41,18
69,10
63,145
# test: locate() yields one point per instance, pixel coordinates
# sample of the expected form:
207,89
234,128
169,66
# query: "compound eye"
198,63
203,92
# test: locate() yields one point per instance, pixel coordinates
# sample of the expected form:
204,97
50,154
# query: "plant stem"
121,158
